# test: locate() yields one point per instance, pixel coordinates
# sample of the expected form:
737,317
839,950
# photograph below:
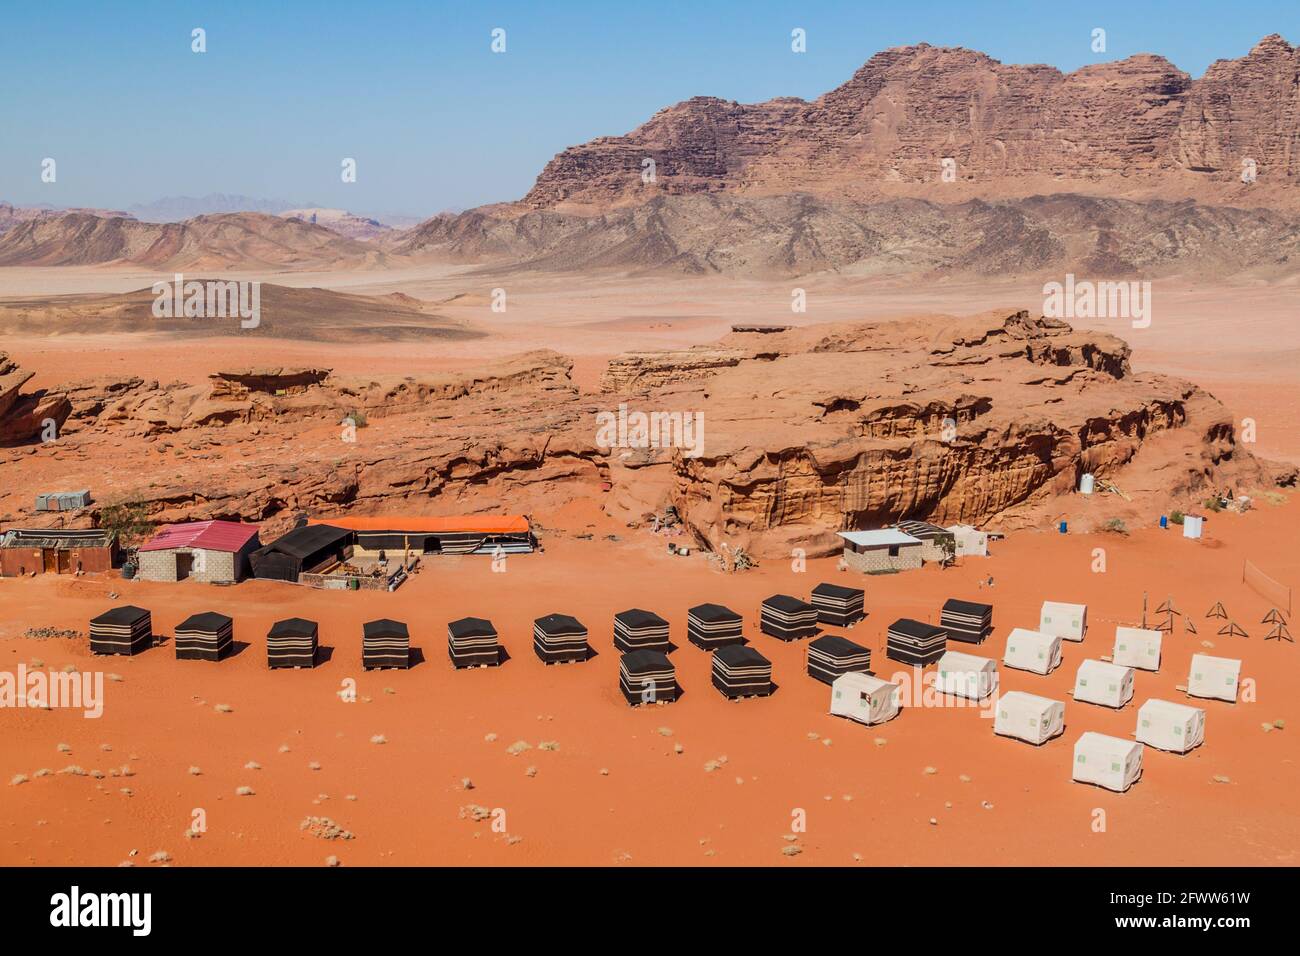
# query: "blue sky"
434,119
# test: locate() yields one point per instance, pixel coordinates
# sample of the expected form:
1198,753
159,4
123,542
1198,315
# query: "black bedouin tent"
636,629
560,638
787,618
204,637
915,642
122,630
710,626
647,677
292,643
831,655
966,621
472,642
740,671
840,606
299,550
385,643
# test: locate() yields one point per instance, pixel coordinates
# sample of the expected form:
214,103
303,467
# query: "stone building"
212,551
883,550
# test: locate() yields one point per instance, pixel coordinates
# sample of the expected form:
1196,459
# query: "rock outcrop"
24,418
795,434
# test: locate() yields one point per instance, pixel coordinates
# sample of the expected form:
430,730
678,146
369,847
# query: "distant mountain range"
180,208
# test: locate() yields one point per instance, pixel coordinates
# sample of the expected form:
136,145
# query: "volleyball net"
1272,590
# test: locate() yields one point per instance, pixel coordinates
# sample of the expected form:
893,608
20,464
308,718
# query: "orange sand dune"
615,790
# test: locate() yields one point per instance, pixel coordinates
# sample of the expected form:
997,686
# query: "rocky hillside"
989,420
1137,127
766,236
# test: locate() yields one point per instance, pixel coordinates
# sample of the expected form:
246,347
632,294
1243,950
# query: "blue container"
1164,521
1063,527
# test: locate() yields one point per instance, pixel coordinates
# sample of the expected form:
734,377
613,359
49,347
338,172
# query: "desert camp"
864,699
1032,651
1167,725
1105,761
1029,717
1104,683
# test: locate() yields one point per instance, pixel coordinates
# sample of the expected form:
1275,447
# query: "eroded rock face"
26,417
1138,119
988,420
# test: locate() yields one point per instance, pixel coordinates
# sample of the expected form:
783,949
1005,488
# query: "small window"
1083,682
1115,767
838,695
893,550
1178,731
1081,759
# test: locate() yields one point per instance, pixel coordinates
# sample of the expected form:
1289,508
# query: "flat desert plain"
702,781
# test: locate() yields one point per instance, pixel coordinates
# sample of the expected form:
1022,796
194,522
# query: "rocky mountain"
1137,127
239,240
180,208
340,221
766,236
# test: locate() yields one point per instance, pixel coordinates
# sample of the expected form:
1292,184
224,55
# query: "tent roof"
1032,635
471,627
740,655
385,628
292,627
835,590
127,614
1105,667
714,612
1209,660
835,645
415,524
861,681
562,623
881,538
913,628
1019,698
1114,746
784,602
966,607
957,661
1169,708
307,540
636,662
636,617
210,535
204,621
1064,605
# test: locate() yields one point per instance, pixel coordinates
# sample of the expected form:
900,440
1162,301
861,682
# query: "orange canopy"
478,524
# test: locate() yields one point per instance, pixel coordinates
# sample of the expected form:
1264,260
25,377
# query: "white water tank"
1085,484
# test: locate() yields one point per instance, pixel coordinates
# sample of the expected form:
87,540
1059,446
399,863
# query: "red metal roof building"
213,551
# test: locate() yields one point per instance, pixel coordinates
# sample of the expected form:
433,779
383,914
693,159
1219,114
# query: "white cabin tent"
866,699
1192,526
1097,682
1168,726
970,541
1110,762
1029,717
967,675
1067,621
1135,647
1214,677
1032,651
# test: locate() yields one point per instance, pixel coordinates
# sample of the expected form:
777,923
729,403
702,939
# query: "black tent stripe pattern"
839,606
121,630
710,626
385,643
914,642
787,618
292,642
741,671
472,642
647,677
966,621
208,636
831,655
636,629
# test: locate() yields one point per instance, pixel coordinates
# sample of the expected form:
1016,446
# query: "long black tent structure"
385,643
839,606
300,550
647,677
915,642
710,626
207,636
741,671
787,618
472,642
830,655
636,629
292,642
121,630
966,621
560,638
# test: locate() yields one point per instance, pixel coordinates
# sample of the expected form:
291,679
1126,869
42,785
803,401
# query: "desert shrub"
1176,518
1214,504
1115,526
129,519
